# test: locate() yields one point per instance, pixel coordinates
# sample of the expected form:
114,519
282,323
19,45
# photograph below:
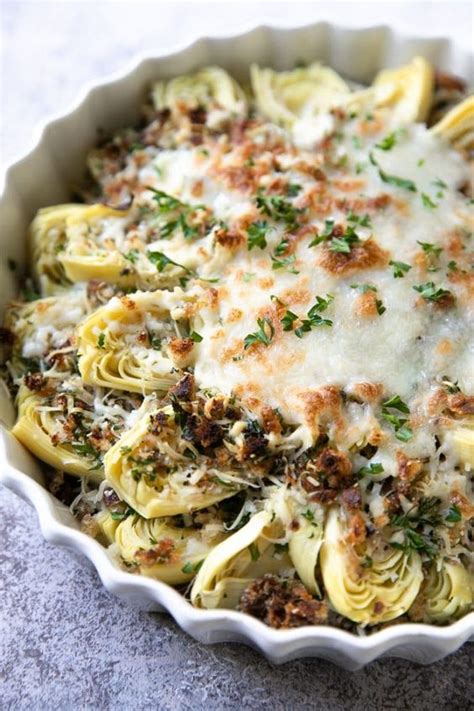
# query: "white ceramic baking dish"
44,177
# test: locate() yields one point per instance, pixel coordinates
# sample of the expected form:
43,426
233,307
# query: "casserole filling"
247,356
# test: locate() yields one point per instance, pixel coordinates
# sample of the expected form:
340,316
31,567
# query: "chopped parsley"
196,337
284,263
364,288
314,319
361,220
430,292
257,232
372,468
264,334
404,183
161,261
413,523
345,243
387,143
453,515
278,208
288,320
189,567
403,431
399,269
293,189
430,248
101,340
166,203
452,266
427,201
326,233
281,247
132,255
440,183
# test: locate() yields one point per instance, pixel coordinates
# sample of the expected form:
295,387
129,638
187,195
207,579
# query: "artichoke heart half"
162,550
154,470
35,428
407,90
462,439
90,249
377,589
123,344
211,87
446,594
304,547
284,97
246,555
47,238
457,126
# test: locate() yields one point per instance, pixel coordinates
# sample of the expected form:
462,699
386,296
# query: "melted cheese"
399,349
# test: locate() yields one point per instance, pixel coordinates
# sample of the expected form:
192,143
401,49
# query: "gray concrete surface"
65,643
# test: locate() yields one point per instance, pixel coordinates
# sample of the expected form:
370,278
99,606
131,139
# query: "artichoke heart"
407,90
211,87
123,344
90,250
244,556
457,126
369,589
446,594
45,325
47,238
284,97
152,468
304,547
107,527
35,429
463,444
163,551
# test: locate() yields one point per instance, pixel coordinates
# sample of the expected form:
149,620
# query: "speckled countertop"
65,643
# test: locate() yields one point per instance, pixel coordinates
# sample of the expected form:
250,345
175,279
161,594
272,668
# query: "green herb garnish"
264,334
454,514
257,232
403,431
161,261
399,269
393,179
372,468
431,292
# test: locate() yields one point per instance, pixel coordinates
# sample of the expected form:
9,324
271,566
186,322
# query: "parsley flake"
264,334
427,201
404,183
372,468
454,514
257,235
403,431
399,269
161,261
430,292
